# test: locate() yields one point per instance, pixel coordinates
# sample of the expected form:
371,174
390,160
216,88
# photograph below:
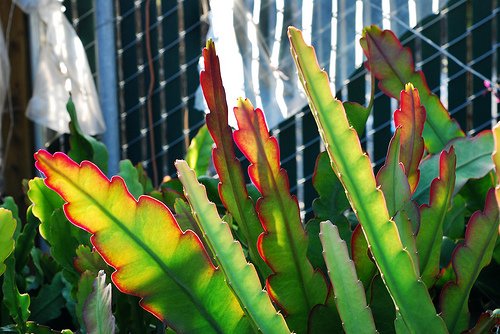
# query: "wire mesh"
454,43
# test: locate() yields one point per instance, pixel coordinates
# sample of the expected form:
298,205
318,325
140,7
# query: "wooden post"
19,162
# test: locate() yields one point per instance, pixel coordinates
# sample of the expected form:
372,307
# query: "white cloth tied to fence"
62,69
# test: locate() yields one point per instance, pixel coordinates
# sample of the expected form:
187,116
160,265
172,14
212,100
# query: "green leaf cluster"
409,248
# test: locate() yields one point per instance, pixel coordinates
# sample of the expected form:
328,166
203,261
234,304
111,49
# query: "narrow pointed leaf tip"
153,259
394,184
241,275
411,118
295,285
356,174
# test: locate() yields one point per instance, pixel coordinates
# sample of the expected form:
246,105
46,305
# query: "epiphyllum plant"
203,282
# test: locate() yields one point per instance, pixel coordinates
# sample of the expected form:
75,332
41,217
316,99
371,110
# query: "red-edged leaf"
152,257
433,215
295,286
232,187
393,66
411,118
394,184
469,259
392,179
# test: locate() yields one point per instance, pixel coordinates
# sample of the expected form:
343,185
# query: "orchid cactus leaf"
62,236
357,116
84,147
314,248
144,180
88,260
397,193
17,304
469,258
393,66
454,224
330,205
392,179
97,313
10,204
26,240
363,263
332,200
186,221
411,118
232,187
131,177
349,292
174,276
324,318
85,284
240,275
7,228
354,170
199,151
433,216
184,217
473,162
212,186
45,201
381,305
170,190
49,301
294,284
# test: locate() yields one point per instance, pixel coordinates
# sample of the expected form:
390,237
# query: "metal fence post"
106,55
